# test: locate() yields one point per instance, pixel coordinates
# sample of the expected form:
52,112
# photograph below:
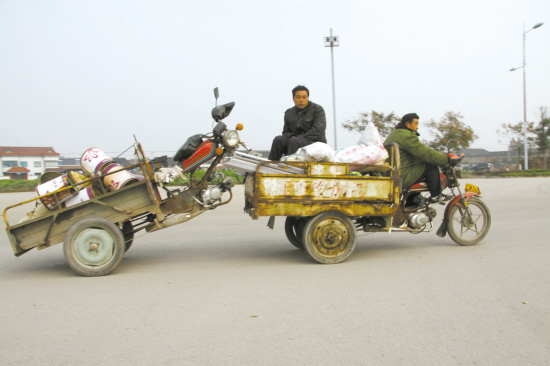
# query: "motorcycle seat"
423,186
419,186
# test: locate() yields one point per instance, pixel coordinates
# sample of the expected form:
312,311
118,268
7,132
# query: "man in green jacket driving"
418,161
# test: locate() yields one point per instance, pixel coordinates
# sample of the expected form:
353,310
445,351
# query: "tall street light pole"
525,149
333,41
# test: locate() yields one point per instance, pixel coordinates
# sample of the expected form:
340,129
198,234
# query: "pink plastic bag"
361,154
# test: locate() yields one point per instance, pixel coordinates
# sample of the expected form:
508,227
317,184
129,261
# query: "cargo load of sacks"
95,163
369,150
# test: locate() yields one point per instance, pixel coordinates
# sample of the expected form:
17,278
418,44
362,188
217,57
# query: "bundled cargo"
64,188
361,154
93,160
118,178
64,184
68,189
370,149
83,195
97,163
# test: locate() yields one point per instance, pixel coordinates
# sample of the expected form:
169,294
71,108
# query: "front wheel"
466,232
330,237
93,247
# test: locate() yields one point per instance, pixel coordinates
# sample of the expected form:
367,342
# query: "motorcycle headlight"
231,138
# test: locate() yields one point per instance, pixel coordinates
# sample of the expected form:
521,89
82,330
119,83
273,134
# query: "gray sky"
79,74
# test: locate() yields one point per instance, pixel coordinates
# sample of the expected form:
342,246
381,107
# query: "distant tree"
451,134
515,136
542,132
384,123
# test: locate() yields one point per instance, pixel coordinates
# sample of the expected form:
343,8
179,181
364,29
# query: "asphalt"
224,289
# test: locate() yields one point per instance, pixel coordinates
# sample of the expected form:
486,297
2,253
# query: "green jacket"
414,155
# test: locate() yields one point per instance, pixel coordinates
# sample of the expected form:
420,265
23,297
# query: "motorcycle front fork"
463,203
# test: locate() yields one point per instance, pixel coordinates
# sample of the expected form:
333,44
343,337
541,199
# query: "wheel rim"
93,247
331,238
463,228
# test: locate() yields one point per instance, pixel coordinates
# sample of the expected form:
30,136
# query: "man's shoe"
447,197
441,198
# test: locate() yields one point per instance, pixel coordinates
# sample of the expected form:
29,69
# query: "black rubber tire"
89,235
127,227
457,215
294,230
330,237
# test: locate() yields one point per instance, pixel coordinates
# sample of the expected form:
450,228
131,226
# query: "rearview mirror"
222,111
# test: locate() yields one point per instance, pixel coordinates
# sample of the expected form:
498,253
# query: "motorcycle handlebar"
456,159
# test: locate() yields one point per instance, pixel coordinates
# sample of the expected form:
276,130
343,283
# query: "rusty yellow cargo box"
326,202
354,190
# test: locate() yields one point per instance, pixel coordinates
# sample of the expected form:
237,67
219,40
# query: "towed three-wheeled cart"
96,232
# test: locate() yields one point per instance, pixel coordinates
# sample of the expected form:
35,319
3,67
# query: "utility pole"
333,41
525,147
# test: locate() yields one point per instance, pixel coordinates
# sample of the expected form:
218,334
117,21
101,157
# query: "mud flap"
442,231
271,222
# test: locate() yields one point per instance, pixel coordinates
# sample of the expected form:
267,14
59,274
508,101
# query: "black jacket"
309,123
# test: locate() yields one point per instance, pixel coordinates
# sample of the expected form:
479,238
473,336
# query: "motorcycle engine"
418,220
214,194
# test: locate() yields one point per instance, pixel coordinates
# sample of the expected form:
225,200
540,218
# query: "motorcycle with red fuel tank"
200,195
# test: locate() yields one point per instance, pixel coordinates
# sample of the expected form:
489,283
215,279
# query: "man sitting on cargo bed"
418,161
305,123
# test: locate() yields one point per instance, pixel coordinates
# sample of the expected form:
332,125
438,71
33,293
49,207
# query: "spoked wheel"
127,229
93,246
330,237
464,232
294,229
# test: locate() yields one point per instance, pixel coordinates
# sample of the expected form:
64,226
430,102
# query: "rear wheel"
294,229
464,232
93,247
330,237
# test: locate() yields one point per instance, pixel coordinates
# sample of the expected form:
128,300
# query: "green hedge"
199,174
515,173
528,173
21,185
17,185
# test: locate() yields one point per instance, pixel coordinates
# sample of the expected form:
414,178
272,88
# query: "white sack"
319,151
299,155
361,154
371,137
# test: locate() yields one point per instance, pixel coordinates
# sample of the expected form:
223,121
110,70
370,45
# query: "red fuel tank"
443,180
205,152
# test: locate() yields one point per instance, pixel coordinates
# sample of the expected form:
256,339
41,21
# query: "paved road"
225,290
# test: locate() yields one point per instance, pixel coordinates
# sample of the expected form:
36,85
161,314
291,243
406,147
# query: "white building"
27,162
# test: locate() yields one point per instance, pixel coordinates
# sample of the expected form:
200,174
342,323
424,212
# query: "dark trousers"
432,178
283,145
